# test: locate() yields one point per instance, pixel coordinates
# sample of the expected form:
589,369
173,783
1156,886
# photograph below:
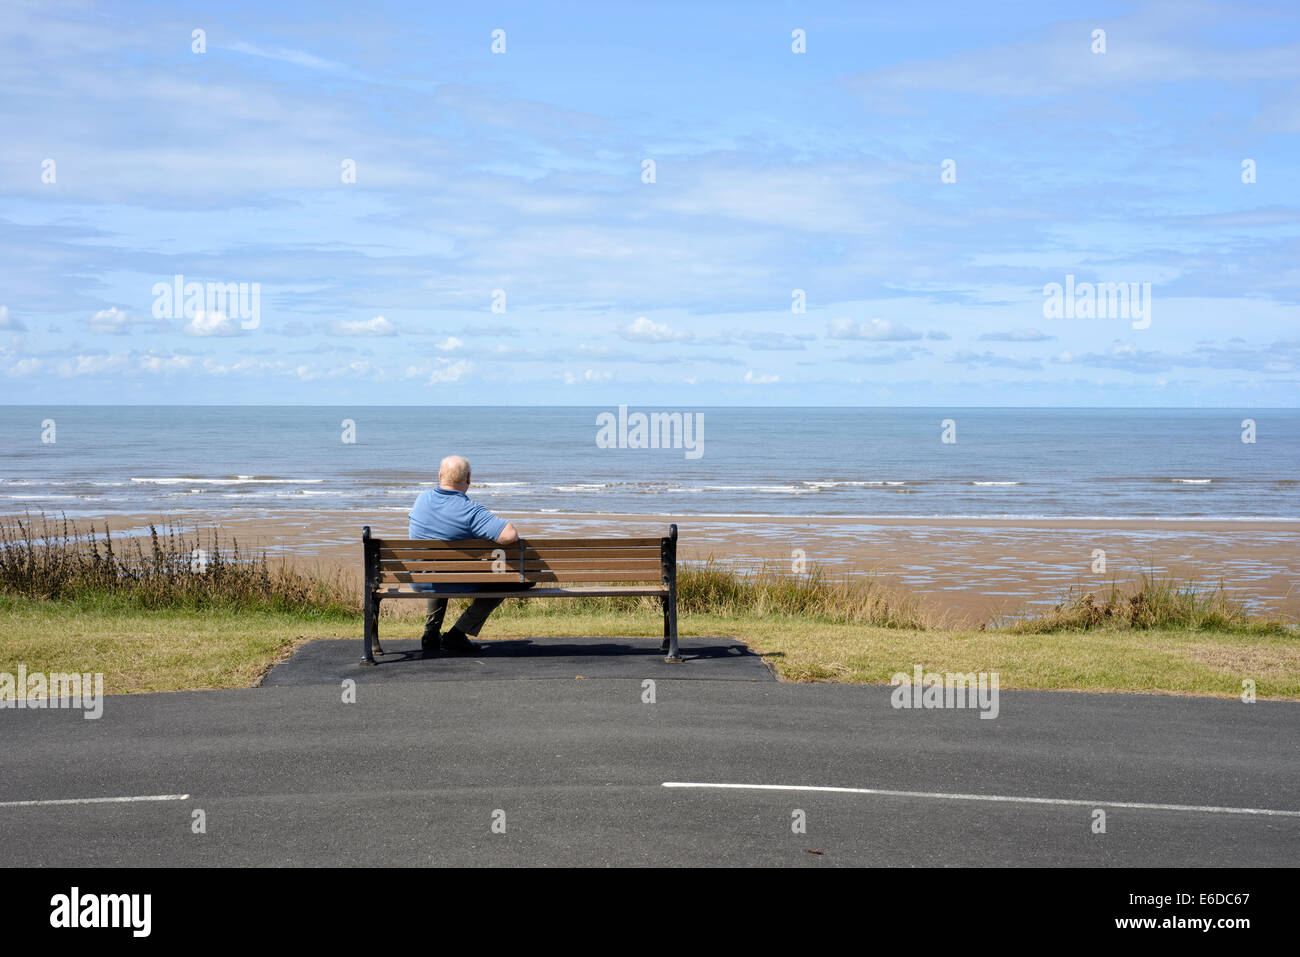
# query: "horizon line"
594,405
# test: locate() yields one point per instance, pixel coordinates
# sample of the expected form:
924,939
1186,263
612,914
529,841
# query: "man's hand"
508,535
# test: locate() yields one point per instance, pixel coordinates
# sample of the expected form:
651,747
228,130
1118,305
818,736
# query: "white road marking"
113,800
997,798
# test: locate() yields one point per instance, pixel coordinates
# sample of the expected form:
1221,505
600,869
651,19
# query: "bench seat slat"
578,591
477,578
445,554
643,551
437,568
592,576
512,552
602,575
408,543
512,567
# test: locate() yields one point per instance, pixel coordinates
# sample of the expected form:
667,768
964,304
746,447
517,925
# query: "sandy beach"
971,570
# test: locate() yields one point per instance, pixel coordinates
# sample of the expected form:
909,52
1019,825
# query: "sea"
1241,464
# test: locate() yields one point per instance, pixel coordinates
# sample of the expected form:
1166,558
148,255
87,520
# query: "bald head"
453,473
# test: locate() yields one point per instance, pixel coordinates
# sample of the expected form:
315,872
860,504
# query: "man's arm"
482,522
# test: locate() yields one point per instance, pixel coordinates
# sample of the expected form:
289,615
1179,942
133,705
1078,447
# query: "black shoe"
429,645
456,643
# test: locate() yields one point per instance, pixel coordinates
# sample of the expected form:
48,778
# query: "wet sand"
971,570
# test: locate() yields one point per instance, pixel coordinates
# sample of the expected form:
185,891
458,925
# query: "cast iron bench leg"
670,626
370,629
663,648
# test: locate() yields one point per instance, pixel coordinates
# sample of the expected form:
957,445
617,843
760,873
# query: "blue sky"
774,171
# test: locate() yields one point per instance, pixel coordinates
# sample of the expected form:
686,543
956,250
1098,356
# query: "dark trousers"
473,618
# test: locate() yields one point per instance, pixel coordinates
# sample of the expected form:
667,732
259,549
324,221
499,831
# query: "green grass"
158,650
1179,660
174,649
714,589
71,600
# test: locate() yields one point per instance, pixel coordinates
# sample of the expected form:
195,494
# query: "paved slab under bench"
330,661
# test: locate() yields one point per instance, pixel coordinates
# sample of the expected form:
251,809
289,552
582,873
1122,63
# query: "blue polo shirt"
450,516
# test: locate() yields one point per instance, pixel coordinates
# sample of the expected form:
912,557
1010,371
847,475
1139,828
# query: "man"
448,514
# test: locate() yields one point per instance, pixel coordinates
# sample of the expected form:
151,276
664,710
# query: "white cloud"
761,379
95,364
450,344
212,324
358,369
113,321
378,326
287,55
450,371
875,330
1017,335
815,198
646,330
163,364
995,360
1059,62
770,341
25,367
8,322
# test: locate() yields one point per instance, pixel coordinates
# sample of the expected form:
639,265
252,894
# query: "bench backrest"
395,561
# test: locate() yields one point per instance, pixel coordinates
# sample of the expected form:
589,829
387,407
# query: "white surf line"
112,800
996,798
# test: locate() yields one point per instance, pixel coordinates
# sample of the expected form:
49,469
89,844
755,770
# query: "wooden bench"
557,567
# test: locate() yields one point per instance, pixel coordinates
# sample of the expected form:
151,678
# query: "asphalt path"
551,753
